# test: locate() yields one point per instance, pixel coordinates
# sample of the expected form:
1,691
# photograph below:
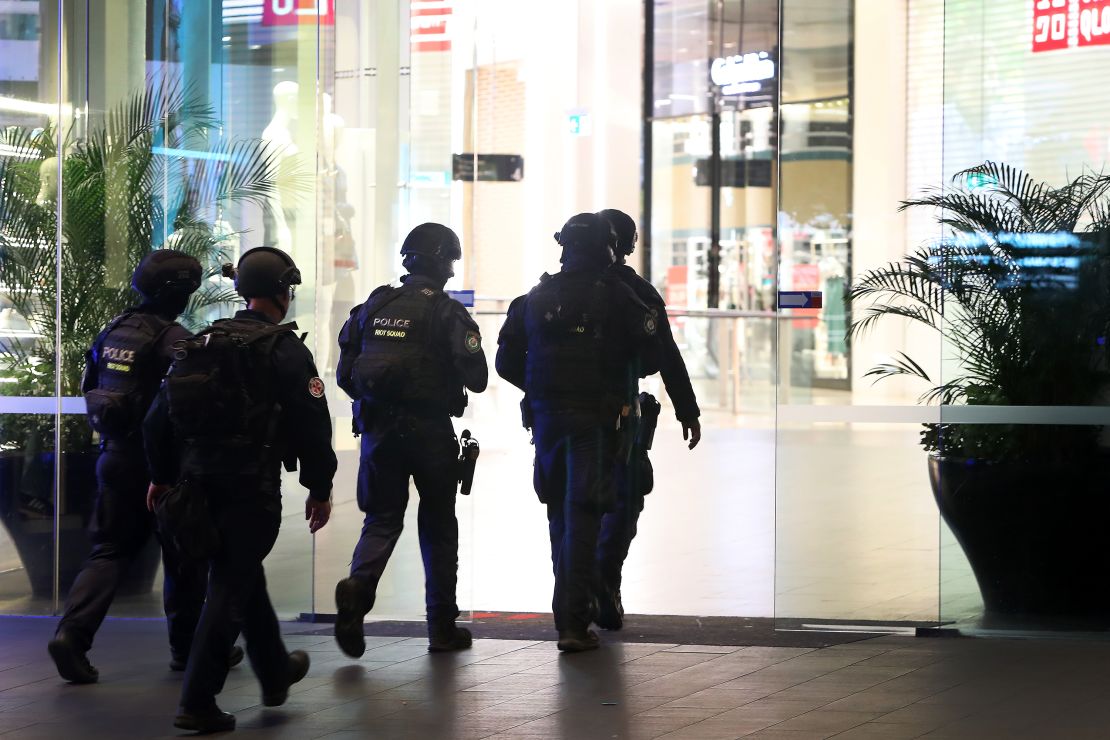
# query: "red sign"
805,277
429,25
675,287
1050,25
1094,22
298,12
1070,24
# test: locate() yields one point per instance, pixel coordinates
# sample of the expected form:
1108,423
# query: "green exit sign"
579,124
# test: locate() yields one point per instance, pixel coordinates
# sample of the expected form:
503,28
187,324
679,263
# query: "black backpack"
219,385
122,372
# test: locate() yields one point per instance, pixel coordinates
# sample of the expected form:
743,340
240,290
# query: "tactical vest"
222,402
399,361
571,363
122,371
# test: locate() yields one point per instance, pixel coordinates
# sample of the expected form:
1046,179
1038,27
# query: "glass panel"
1023,442
31,116
272,85
856,528
389,136
681,209
161,145
682,36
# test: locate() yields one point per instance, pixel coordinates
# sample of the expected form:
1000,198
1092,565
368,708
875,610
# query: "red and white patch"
316,388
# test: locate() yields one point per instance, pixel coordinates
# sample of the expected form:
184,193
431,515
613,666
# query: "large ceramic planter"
1037,538
26,510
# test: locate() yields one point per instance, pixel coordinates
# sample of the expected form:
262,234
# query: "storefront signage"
1070,24
296,12
743,73
428,23
491,167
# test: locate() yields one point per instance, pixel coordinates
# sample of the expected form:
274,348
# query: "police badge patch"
316,388
649,325
473,342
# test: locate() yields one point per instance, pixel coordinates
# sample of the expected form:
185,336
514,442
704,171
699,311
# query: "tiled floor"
888,688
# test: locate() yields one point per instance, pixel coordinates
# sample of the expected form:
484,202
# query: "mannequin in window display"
340,257
635,479
280,136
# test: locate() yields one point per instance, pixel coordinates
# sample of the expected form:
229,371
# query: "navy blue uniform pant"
237,601
575,457
120,529
618,527
395,449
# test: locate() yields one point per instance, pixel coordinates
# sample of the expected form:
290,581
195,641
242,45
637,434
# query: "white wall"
574,55
879,170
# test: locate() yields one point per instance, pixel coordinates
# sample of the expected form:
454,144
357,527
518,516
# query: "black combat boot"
353,601
610,613
204,722
447,637
70,660
296,670
578,641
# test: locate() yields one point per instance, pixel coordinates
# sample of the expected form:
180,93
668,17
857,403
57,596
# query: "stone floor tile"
824,720
719,698
876,731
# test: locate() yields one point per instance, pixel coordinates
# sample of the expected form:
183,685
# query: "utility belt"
607,411
130,445
366,411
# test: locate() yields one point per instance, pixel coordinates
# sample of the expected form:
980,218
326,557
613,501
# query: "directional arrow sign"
799,299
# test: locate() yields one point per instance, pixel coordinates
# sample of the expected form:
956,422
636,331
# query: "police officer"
240,399
577,344
634,479
123,369
406,357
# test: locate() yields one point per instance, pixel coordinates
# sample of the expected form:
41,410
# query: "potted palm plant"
1019,290
151,173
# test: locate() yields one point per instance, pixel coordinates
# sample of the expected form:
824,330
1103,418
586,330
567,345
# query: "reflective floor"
888,688
853,534
814,521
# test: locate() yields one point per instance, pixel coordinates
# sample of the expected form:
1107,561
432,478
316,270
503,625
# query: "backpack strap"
377,302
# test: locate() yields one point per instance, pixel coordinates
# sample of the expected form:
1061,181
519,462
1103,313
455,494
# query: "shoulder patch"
428,292
316,388
649,325
473,342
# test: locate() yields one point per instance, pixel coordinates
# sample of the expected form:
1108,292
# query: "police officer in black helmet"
407,356
123,369
634,479
238,401
577,345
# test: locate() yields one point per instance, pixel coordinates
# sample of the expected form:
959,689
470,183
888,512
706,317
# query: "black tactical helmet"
166,274
264,272
587,236
624,230
433,240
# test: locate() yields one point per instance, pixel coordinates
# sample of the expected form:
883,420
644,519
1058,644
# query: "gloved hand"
691,430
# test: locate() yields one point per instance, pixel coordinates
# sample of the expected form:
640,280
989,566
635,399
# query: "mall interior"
765,149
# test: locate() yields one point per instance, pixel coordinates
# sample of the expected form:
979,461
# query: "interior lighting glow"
18,105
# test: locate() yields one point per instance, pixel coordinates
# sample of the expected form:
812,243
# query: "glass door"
856,527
